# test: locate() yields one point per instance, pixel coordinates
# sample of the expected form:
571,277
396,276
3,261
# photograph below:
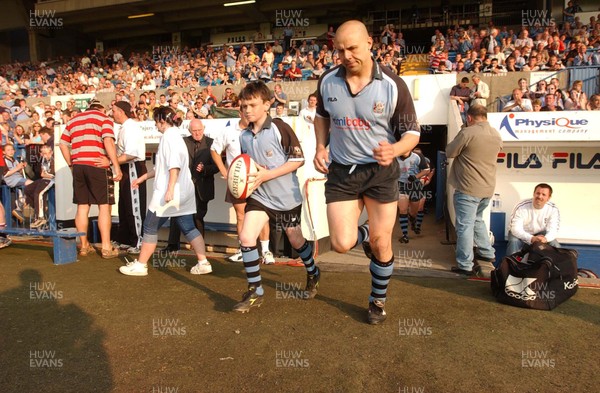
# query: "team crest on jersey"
269,153
378,107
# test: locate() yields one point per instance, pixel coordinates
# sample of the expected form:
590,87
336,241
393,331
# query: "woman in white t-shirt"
173,196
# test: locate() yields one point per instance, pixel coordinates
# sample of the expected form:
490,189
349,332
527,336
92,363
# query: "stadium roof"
108,19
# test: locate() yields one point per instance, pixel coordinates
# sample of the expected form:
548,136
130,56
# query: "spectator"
15,177
524,41
268,56
577,98
202,169
293,72
494,67
265,72
86,137
277,48
480,92
498,54
476,68
581,58
518,103
308,113
35,192
524,87
570,11
594,103
461,94
534,220
238,80
318,71
473,175
540,90
531,65
278,96
20,111
280,110
511,65
279,73
551,105
553,64
34,136
537,105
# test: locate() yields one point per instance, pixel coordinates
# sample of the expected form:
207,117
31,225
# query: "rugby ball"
237,177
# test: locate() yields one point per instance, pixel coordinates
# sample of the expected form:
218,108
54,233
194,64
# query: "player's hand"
101,162
257,178
200,167
169,195
321,160
136,183
384,153
118,175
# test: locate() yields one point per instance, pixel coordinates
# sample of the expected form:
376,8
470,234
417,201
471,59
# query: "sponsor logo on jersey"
352,123
378,107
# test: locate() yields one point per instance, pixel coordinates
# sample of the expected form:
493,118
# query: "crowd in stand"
499,50
460,49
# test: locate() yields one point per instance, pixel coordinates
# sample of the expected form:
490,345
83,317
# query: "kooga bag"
539,276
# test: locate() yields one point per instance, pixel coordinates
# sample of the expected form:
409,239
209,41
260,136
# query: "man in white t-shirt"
131,154
308,113
534,220
229,141
518,103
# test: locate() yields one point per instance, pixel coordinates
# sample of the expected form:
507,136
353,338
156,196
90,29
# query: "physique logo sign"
546,126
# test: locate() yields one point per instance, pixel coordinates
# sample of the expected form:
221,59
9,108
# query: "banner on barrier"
559,126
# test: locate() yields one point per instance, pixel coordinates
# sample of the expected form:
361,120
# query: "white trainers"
268,258
237,257
134,268
202,268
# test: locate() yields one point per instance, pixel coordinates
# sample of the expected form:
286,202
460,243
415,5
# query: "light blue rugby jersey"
411,165
382,111
274,145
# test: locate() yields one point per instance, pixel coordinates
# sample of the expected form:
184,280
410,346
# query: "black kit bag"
539,276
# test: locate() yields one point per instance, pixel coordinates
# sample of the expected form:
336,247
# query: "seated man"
534,220
293,72
35,191
14,177
518,103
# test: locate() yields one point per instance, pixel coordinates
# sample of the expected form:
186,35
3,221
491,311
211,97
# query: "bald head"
197,129
353,26
354,47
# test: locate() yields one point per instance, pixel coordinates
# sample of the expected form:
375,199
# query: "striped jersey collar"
375,72
266,125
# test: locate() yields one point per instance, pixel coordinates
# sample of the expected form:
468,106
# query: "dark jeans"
175,233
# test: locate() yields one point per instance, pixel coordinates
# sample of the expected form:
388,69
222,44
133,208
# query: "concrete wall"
297,91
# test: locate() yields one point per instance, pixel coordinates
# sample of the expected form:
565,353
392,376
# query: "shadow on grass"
221,302
47,346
